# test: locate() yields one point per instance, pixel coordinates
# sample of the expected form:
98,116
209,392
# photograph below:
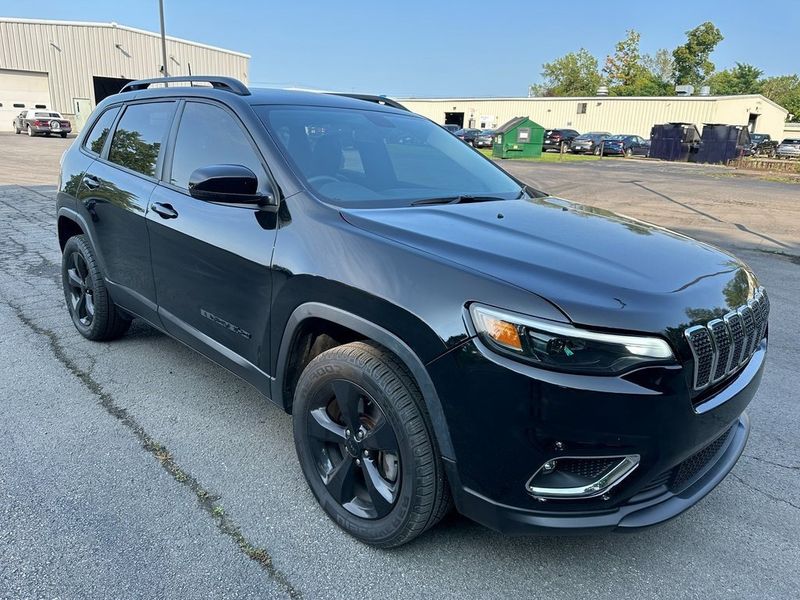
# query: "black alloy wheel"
356,450
81,286
93,312
366,445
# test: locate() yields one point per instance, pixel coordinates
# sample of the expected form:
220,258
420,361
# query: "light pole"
163,39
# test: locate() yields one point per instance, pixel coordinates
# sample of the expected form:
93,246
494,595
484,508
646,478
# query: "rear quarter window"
96,138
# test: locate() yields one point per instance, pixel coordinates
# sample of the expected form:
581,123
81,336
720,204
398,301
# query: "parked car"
626,145
588,143
468,135
485,139
788,148
451,127
762,144
39,121
556,139
439,331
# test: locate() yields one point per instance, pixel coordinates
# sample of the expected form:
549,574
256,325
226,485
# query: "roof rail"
221,83
370,98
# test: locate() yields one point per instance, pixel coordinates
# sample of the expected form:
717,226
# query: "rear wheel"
365,445
30,131
63,135
94,314
628,152
16,129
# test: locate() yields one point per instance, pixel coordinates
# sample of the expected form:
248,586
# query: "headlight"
563,347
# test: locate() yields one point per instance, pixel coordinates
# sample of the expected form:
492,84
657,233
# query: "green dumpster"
518,138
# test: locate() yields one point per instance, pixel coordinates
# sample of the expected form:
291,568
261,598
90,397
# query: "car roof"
262,96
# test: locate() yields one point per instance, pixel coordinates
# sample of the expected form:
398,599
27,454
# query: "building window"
582,108
40,106
19,105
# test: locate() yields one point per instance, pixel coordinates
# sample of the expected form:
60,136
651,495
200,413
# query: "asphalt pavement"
139,469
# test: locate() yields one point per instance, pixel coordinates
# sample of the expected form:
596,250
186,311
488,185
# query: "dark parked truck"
440,332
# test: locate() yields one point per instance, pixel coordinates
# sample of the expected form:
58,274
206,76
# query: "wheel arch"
358,328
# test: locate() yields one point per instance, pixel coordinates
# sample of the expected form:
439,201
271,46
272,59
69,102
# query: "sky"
441,49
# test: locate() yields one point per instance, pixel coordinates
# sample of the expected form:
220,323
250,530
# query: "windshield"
368,158
617,138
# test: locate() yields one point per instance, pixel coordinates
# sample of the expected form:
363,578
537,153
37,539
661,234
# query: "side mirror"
234,184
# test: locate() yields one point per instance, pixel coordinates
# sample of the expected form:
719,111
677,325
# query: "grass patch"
548,157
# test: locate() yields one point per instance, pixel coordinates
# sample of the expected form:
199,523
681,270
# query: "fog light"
580,476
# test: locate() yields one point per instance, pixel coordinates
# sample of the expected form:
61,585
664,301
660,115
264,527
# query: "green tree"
574,74
741,79
785,90
691,60
661,65
624,70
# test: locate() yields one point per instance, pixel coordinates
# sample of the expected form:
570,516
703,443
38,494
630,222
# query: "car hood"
600,269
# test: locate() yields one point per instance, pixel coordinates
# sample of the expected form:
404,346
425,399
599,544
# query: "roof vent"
705,91
602,90
684,90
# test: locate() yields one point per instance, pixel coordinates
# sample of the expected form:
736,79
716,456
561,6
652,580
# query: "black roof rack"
369,98
221,83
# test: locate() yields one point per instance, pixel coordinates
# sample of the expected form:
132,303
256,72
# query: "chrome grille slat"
722,345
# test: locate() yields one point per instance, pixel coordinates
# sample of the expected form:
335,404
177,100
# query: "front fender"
378,334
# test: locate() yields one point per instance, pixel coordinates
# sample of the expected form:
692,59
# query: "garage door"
21,89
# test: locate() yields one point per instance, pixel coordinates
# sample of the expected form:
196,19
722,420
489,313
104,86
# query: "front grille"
722,345
685,472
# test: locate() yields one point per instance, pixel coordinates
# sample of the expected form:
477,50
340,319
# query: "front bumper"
518,424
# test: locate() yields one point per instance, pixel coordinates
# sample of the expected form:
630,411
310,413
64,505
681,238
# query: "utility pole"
163,39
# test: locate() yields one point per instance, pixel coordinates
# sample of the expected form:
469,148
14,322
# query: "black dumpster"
721,143
673,141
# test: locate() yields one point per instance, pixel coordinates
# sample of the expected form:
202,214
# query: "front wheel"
628,152
597,151
365,445
16,129
94,314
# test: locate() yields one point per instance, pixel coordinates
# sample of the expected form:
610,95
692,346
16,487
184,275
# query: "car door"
114,194
211,262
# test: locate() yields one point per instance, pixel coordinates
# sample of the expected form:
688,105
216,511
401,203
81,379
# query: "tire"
397,490
628,152
93,312
597,151
47,134
564,147
16,129
63,135
30,131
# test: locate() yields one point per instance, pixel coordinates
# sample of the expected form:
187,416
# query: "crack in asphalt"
769,462
209,503
760,491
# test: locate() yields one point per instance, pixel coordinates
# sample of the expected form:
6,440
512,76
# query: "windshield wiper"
456,200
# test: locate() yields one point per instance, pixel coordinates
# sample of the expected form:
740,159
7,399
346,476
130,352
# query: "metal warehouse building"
615,114
71,66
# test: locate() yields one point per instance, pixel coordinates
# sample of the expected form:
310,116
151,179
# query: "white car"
35,121
789,148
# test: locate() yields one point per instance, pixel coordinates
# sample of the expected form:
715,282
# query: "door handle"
165,211
91,182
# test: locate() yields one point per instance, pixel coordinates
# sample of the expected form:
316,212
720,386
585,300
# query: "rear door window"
96,139
140,135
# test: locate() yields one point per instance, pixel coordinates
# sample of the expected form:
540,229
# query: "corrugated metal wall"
613,114
71,53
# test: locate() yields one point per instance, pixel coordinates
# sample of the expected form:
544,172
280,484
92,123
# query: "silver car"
789,148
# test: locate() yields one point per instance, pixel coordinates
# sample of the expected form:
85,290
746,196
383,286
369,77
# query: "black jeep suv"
440,332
